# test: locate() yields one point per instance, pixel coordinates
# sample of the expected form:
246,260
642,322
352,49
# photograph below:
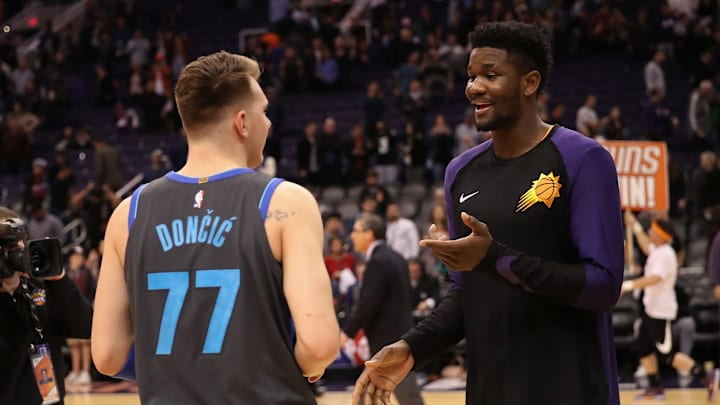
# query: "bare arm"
305,280
112,328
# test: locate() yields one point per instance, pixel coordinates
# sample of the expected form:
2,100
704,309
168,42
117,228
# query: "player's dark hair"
666,226
526,44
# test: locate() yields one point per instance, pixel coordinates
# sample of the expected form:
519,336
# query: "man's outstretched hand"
383,372
464,253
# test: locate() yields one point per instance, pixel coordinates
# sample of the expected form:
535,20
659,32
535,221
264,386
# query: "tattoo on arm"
280,214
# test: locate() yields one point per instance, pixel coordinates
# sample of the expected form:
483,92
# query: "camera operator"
37,314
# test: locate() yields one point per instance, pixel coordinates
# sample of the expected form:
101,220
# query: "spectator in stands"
424,288
375,191
705,191
338,258
93,204
108,164
441,143
327,71
656,120
82,140
333,226
387,153
83,278
61,179
358,154
374,108
436,76
586,120
654,73
415,154
700,114
106,86
15,147
466,133
42,224
613,126
402,233
21,76
292,72
703,69
126,118
407,72
138,48
415,104
308,157
331,148
36,188
557,114
158,166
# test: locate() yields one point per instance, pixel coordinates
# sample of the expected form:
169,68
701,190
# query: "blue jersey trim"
267,195
134,205
128,370
199,180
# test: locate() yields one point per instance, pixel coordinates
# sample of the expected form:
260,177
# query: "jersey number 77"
177,284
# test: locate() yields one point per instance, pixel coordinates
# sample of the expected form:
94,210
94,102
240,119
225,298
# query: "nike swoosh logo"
464,197
666,345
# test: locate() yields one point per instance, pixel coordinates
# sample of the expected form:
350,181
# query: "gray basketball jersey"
211,322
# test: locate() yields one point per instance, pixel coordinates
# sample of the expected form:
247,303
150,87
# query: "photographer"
36,315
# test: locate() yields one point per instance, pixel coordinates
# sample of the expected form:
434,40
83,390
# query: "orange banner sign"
642,168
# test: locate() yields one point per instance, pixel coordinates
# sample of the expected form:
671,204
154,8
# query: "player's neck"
520,138
205,160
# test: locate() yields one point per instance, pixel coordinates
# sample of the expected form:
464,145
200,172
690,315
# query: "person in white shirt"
402,234
660,303
586,120
654,74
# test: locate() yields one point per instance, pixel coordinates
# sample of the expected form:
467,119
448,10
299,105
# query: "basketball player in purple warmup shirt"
536,242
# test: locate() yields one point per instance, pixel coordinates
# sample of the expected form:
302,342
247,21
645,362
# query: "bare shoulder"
290,200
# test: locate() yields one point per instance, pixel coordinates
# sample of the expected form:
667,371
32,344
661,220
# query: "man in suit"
384,309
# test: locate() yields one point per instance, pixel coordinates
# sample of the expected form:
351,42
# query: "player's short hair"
373,223
525,43
212,83
666,226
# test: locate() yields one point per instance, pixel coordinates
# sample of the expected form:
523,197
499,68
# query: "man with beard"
534,283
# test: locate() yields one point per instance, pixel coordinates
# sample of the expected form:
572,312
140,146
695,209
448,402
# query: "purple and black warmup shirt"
536,310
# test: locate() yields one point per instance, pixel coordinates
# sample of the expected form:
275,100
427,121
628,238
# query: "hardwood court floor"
673,397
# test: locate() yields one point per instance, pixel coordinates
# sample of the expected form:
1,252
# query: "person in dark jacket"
62,313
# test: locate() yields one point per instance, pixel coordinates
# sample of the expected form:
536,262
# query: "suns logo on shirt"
545,190
38,297
199,196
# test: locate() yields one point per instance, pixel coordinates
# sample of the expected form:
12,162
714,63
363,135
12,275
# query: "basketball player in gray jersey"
214,274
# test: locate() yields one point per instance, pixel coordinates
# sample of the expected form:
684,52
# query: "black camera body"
39,258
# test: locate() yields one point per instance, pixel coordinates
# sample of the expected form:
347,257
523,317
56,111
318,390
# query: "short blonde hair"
210,84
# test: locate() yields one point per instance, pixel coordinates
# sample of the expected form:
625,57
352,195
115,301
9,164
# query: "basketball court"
673,397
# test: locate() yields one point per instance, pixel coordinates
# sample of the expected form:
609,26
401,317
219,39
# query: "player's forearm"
589,285
313,362
440,330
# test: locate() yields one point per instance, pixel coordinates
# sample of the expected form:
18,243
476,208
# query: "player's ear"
239,124
530,83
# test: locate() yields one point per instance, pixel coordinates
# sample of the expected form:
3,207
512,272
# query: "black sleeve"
440,330
370,302
69,310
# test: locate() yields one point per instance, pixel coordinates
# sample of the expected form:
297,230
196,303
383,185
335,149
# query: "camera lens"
38,260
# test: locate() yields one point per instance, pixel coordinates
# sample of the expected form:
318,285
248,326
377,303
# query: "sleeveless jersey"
212,325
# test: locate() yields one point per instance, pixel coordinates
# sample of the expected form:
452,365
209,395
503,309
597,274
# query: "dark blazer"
384,310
